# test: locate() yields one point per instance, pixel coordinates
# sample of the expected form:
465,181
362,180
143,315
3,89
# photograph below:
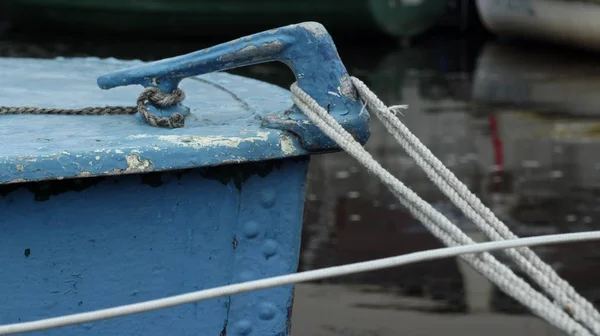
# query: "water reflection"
520,131
548,126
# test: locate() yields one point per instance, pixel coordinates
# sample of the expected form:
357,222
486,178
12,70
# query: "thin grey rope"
150,95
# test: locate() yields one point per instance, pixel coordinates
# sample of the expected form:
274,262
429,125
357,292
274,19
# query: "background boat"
536,120
575,23
513,76
226,17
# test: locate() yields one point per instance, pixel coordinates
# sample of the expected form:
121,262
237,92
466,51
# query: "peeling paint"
249,51
305,47
212,141
197,141
287,145
315,28
136,164
346,88
233,161
138,136
115,171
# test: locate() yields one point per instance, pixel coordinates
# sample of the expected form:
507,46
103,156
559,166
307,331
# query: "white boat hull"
532,79
572,22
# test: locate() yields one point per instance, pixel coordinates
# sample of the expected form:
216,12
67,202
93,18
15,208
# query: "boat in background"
406,18
539,127
519,77
225,17
546,20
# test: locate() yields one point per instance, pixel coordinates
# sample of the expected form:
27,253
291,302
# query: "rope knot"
153,95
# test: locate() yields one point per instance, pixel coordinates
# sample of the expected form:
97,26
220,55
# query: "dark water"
520,125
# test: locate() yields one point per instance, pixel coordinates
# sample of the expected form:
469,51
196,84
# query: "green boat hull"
408,18
224,17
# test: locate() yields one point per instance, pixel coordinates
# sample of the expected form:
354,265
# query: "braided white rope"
439,225
483,217
282,280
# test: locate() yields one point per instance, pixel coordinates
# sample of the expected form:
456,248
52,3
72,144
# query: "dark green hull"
222,17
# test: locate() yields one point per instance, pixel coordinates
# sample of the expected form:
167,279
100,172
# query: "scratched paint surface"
78,245
306,48
221,128
233,119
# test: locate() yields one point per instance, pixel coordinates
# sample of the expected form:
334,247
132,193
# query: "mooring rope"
436,222
585,319
282,280
150,95
482,216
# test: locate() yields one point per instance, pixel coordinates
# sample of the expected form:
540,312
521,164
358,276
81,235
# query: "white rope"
440,226
282,280
482,216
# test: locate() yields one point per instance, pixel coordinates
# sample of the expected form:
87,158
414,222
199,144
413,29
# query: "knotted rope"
150,95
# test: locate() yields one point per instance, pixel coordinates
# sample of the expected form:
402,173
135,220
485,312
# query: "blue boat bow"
105,210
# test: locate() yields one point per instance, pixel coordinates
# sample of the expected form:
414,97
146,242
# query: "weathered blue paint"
221,129
127,239
233,119
99,211
306,48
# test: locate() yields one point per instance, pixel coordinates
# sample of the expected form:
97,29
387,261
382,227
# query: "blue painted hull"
162,210
71,246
